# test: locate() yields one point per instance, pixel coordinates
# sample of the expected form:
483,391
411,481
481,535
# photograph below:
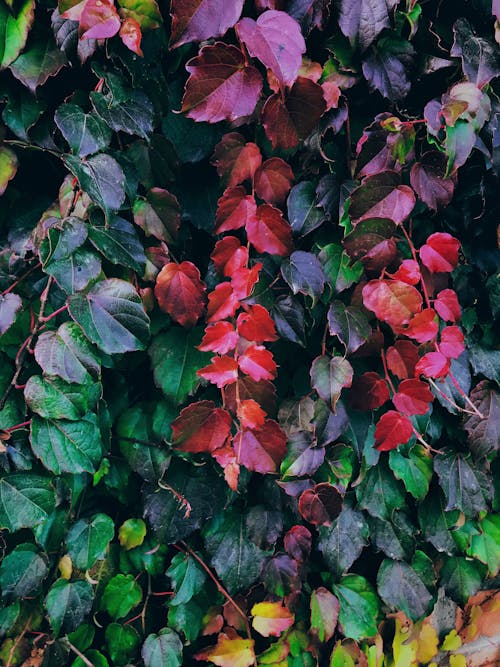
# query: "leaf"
452,342
395,538
222,371
369,391
428,179
118,242
220,86
10,305
433,365
483,434
162,650
303,273
181,292
484,361
67,354
329,375
310,13
199,20
288,122
414,469
275,39
67,604
201,427
65,446
131,36
392,301
159,215
236,559
466,488
122,642
324,613
26,500
271,619
234,210
382,196
145,12
379,493
175,361
88,539
413,398
121,595
363,21
297,543
479,56
34,67
359,607
321,504
303,456
342,543
461,578
230,651
256,324
85,133
14,31
131,533
187,578
304,212
349,325
258,362
338,269
236,159
52,398
22,572
8,167
436,523
272,181
402,359
386,66
269,232
401,588
126,110
484,546
112,315
99,19
393,429
102,178
149,461
289,317
440,252
447,306
261,449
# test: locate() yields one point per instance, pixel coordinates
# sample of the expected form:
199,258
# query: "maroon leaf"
269,232
321,505
275,39
298,542
367,235
380,256
402,359
273,181
196,20
180,292
201,427
413,398
263,449
235,159
368,392
382,196
229,255
427,178
289,122
392,301
235,209
220,86
263,393
392,430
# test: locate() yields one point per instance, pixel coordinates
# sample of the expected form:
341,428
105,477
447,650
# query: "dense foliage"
248,370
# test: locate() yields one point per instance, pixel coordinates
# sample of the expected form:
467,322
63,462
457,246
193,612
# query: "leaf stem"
85,660
18,427
17,642
20,279
448,399
54,314
386,372
414,255
464,396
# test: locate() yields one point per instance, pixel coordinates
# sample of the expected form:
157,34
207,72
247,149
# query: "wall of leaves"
249,293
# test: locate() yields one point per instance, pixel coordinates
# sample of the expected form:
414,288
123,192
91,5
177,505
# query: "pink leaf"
392,301
221,371
433,365
440,253
413,398
262,449
452,342
99,20
197,20
392,430
219,337
258,362
131,35
447,305
423,326
201,427
222,303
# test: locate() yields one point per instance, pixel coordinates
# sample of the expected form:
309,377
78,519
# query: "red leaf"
235,209
382,196
433,365
258,362
256,325
243,281
380,256
423,327
236,161
392,430
269,232
226,458
392,301
413,398
276,40
131,35
273,181
250,414
408,272
298,542
262,449
221,86
99,19
180,292
196,20
229,255
201,427
263,393
452,342
321,505
289,122
222,303
447,305
221,371
427,178
402,359
331,94
440,253
219,337
369,391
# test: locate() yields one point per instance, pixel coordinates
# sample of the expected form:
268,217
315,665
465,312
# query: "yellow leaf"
271,618
405,654
65,567
458,661
427,643
230,651
451,642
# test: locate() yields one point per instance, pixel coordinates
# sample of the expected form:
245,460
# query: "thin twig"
22,277
85,660
18,641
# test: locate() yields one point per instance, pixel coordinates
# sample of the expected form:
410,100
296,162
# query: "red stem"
54,314
18,427
414,255
22,277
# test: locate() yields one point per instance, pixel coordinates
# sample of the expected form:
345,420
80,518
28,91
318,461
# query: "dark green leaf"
329,375
485,362
86,133
337,267
36,65
395,538
349,324
131,112
52,398
436,522
342,543
87,540
121,595
461,578
25,500
379,493
22,111
119,243
289,316
386,67
68,603
304,213
162,650
401,588
22,572
466,487
102,178
187,578
359,607
303,273
122,642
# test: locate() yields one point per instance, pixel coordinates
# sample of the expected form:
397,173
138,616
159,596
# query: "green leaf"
460,140
22,110
85,133
145,12
485,362
329,375
36,65
175,360
466,487
188,618
337,267
8,167
122,593
52,398
14,31
25,500
401,588
359,607
395,538
413,468
289,316
112,315
130,112
122,642
10,305
131,533
22,572
65,446
88,539
102,178
74,272
67,604
324,613
119,243
436,522
96,658
349,324
67,354
342,543
461,578
187,578
485,546
379,493
304,213
162,650
236,559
